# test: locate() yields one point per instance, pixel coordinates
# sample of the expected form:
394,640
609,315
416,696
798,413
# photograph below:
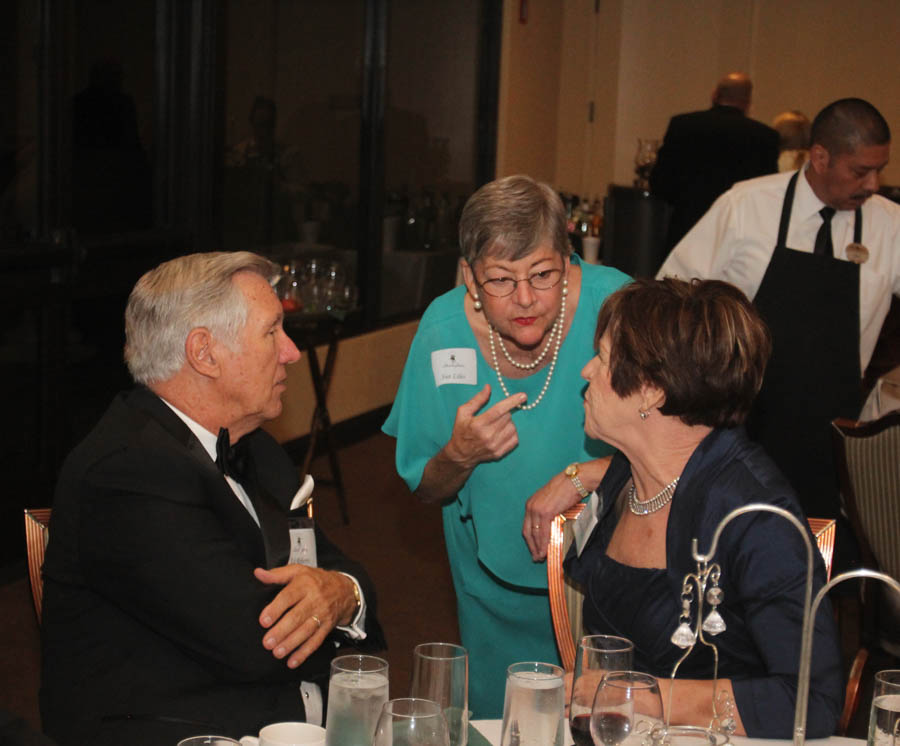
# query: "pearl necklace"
534,363
556,330
657,502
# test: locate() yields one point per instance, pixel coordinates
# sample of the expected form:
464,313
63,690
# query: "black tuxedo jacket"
703,154
150,627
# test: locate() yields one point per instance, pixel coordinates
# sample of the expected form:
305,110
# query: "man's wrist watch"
572,473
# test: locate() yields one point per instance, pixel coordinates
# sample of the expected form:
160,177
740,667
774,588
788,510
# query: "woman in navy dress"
678,365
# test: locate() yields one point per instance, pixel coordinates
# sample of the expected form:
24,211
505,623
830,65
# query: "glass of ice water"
441,674
357,691
534,708
884,720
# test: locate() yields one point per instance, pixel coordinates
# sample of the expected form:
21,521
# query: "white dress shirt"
735,239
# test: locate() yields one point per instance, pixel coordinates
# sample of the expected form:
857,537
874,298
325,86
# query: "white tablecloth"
490,729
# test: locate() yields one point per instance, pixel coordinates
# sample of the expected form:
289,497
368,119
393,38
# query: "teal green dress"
504,613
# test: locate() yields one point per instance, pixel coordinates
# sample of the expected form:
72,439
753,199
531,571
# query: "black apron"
811,304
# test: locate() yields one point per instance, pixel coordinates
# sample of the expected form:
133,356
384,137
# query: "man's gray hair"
191,291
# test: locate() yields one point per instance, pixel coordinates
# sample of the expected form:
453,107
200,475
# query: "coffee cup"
287,734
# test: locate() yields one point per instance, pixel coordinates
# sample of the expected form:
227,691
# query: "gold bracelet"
356,596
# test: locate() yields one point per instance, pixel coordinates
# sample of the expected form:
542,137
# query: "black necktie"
824,246
234,461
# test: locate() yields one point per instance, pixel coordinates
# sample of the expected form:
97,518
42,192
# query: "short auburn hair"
700,342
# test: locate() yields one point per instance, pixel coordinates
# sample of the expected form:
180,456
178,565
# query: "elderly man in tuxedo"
175,599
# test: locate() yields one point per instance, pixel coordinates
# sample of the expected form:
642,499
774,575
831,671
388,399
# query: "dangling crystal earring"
683,636
714,624
477,304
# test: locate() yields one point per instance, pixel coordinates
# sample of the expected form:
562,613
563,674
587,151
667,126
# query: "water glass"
884,719
441,674
596,655
534,708
357,690
411,722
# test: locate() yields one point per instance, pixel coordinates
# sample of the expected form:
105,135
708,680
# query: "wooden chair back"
37,534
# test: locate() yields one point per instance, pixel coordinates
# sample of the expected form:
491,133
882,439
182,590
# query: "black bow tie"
231,459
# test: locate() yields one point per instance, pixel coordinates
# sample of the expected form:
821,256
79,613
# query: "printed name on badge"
454,365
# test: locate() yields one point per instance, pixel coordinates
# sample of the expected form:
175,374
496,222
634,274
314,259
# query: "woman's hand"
488,436
476,438
557,496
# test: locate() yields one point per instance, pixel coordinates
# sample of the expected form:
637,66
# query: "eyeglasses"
500,287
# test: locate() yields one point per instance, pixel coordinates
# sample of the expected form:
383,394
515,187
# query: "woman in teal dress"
487,419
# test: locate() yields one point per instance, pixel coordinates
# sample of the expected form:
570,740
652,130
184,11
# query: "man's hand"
312,602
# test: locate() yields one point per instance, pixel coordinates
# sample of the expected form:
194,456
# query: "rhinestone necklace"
657,502
556,330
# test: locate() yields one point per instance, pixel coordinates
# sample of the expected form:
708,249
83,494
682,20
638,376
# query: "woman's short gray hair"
510,217
182,294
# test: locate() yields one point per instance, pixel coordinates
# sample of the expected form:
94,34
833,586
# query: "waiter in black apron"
821,297
811,303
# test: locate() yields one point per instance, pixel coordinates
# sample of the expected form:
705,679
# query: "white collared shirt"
735,239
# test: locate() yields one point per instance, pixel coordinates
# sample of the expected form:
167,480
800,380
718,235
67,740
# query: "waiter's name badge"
857,253
454,365
303,542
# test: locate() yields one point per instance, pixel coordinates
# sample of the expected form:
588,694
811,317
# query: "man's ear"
818,158
199,351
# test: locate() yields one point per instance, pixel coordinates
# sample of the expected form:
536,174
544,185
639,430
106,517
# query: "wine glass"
411,722
644,160
596,655
626,702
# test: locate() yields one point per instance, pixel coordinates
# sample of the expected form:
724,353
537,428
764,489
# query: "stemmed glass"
596,655
411,722
626,702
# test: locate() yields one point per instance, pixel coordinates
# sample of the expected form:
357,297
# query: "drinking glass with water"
533,712
357,691
884,720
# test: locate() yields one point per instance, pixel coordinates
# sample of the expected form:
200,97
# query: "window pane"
18,120
110,93
292,98
430,132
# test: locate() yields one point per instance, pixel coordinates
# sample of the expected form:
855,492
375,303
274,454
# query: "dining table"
489,730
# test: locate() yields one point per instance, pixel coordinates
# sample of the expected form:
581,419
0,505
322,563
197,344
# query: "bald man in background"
705,152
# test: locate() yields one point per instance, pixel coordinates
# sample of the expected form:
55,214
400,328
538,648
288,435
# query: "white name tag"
584,524
303,547
454,365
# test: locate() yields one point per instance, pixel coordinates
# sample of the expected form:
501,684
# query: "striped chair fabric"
868,462
37,534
